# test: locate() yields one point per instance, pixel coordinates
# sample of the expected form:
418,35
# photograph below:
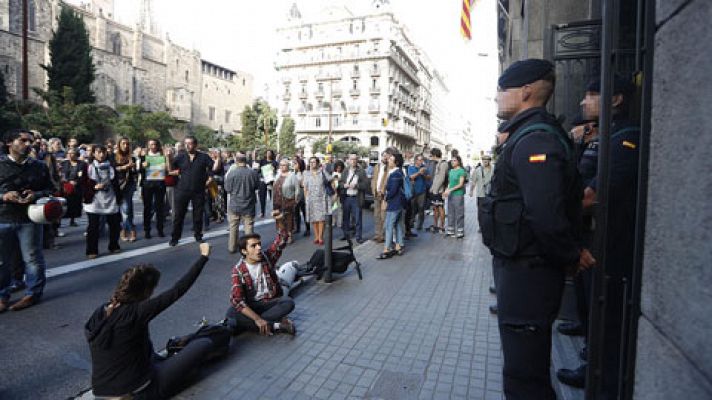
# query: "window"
321,87
355,119
243,81
116,43
355,85
317,122
375,83
228,114
211,113
31,15
187,76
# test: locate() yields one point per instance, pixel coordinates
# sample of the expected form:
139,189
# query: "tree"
71,62
63,118
139,125
287,138
208,137
253,127
340,149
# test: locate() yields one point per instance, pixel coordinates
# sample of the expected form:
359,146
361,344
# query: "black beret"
620,86
524,72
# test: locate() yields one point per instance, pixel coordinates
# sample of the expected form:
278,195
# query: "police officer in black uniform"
620,235
530,223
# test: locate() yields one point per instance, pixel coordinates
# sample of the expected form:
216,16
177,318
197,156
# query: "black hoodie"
120,344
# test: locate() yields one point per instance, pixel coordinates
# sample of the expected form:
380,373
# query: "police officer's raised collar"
524,72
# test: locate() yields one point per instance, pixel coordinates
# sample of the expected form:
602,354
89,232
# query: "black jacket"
538,169
31,174
120,344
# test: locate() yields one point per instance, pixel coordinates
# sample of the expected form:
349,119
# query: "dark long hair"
136,284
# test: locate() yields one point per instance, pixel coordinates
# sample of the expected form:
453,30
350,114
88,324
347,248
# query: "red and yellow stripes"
465,19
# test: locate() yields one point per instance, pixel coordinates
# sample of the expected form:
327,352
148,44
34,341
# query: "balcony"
355,92
302,111
329,76
375,71
286,79
303,95
374,90
336,92
303,78
286,96
319,94
374,108
355,73
353,109
286,111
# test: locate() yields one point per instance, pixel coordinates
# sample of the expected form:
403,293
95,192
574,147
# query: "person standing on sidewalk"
241,183
394,207
378,188
355,183
101,178
126,173
437,189
455,195
536,194
23,180
256,298
194,168
284,196
418,174
317,203
481,179
155,166
300,213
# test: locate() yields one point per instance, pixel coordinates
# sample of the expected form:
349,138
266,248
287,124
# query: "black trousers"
169,375
417,209
299,212
181,201
262,196
114,222
154,196
528,298
352,208
271,311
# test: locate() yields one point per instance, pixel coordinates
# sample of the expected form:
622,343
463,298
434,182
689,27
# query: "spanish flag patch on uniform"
537,158
629,145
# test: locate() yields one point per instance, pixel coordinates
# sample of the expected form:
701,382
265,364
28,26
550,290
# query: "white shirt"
259,279
352,179
381,170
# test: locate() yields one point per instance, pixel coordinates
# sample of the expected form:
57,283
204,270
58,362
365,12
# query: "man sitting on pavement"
257,304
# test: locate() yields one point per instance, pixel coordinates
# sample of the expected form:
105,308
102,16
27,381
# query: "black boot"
573,377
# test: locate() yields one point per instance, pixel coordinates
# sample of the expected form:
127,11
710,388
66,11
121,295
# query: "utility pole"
25,69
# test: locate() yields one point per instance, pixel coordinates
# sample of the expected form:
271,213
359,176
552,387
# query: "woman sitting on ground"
123,359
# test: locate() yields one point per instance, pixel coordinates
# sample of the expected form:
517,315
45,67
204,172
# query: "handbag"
327,185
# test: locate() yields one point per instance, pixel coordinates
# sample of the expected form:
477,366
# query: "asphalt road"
44,353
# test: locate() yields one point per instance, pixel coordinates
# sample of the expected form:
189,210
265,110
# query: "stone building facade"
133,65
360,77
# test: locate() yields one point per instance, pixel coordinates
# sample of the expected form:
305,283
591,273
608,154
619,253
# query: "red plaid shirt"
241,293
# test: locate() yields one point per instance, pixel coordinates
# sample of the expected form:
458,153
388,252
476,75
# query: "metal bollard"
328,247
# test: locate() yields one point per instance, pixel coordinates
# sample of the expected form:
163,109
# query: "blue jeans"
351,207
394,224
29,238
127,207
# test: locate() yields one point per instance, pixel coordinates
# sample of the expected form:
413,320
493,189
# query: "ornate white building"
133,64
359,77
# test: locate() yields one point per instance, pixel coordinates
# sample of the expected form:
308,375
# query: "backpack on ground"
219,333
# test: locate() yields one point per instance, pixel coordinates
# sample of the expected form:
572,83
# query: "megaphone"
47,210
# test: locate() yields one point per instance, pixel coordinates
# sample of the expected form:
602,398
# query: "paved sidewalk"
417,326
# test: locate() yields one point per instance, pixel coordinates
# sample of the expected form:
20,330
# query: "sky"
241,35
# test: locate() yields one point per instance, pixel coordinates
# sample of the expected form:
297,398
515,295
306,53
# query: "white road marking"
87,264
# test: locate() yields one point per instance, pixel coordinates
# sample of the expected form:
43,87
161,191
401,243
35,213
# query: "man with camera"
23,180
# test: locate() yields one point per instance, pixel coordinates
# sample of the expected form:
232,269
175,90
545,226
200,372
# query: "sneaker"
173,243
61,234
198,238
287,326
449,233
460,236
92,256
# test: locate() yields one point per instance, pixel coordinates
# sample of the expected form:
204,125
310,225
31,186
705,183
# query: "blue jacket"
394,191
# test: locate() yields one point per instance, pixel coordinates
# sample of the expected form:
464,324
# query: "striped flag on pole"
465,19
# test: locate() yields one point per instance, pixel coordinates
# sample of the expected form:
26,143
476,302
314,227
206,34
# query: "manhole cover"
396,386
